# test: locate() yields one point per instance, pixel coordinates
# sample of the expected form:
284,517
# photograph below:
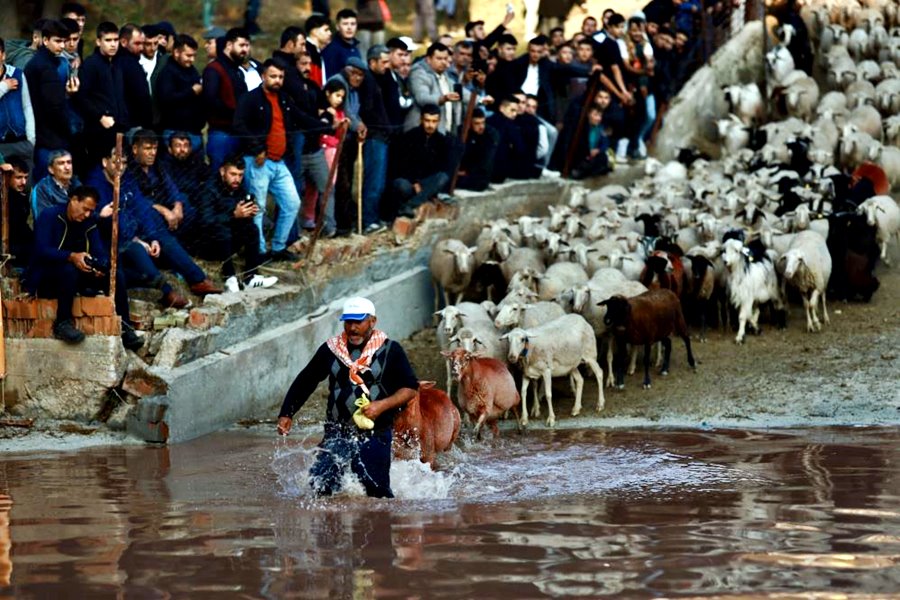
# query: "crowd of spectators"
206,146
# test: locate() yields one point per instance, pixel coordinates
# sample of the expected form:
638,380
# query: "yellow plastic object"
361,420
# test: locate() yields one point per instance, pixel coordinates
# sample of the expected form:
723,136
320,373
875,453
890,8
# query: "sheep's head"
518,344
733,253
451,320
792,261
617,311
510,315
459,359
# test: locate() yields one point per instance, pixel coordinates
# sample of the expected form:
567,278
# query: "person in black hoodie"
225,214
178,93
511,149
184,165
478,157
137,90
70,256
424,154
223,87
102,100
48,96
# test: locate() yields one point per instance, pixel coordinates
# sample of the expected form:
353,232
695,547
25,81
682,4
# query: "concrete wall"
693,112
249,379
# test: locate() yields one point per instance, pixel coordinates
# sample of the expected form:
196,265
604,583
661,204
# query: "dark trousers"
139,268
431,187
242,235
64,281
368,454
173,256
344,202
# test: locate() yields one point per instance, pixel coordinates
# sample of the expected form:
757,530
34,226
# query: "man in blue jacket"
70,257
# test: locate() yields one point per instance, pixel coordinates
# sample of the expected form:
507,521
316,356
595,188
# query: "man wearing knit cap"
369,380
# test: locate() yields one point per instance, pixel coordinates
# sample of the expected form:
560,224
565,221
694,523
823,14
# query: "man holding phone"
429,84
225,214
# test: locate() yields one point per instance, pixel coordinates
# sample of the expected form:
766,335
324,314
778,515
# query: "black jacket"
372,111
102,93
419,156
478,160
48,100
215,208
220,97
390,97
180,108
549,72
253,120
137,90
511,149
190,176
55,238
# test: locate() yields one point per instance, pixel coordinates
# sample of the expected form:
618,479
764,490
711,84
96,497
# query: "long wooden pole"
590,93
463,138
114,238
332,173
4,206
359,185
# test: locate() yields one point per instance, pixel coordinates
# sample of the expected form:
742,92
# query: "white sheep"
520,259
750,283
882,213
552,350
523,315
558,277
746,102
867,119
451,267
892,130
734,134
452,319
888,157
807,266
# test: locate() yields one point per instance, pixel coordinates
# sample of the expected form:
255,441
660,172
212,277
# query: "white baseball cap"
410,44
357,309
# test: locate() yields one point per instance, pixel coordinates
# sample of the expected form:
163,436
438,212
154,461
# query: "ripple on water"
523,469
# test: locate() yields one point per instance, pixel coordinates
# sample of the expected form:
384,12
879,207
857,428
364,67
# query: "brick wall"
33,317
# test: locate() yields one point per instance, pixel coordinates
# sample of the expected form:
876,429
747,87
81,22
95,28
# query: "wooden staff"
359,185
573,142
4,207
463,138
114,238
4,210
332,173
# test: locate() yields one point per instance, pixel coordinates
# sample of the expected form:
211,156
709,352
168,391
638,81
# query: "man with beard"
186,167
478,158
137,90
225,214
223,87
178,94
364,369
21,237
263,120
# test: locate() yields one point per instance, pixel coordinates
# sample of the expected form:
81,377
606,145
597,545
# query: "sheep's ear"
603,303
505,336
476,341
446,353
490,262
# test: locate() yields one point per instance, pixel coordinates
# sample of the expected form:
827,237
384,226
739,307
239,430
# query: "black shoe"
67,332
342,232
406,211
285,255
376,227
130,339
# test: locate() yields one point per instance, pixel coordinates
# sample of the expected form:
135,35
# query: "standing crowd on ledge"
206,146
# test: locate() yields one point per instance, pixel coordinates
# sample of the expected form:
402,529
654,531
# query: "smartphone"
509,7
457,89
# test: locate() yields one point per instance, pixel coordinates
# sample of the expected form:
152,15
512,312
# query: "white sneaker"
622,152
231,285
258,281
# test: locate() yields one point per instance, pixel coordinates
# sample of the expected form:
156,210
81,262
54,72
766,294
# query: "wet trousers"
368,454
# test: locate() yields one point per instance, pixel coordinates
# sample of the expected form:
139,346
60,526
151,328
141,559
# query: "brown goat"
643,320
486,388
429,421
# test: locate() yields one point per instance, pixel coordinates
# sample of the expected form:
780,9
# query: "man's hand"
106,211
508,17
284,425
245,210
373,409
627,98
178,209
487,100
417,187
6,168
11,83
107,121
155,249
362,131
168,215
72,85
78,259
260,159
594,152
197,88
451,97
596,67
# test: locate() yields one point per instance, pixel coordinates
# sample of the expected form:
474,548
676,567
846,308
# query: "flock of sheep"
621,268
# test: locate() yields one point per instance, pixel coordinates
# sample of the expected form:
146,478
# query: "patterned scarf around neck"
338,345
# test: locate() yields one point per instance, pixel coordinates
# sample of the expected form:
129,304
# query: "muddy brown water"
566,513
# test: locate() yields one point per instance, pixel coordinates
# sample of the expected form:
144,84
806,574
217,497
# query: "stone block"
96,306
140,382
205,317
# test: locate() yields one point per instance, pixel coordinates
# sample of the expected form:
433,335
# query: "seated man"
478,158
144,239
225,215
157,186
547,133
511,149
53,189
423,159
186,167
21,238
69,257
591,158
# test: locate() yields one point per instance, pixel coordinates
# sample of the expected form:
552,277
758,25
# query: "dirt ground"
847,374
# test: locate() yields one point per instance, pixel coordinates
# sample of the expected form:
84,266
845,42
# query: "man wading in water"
362,365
